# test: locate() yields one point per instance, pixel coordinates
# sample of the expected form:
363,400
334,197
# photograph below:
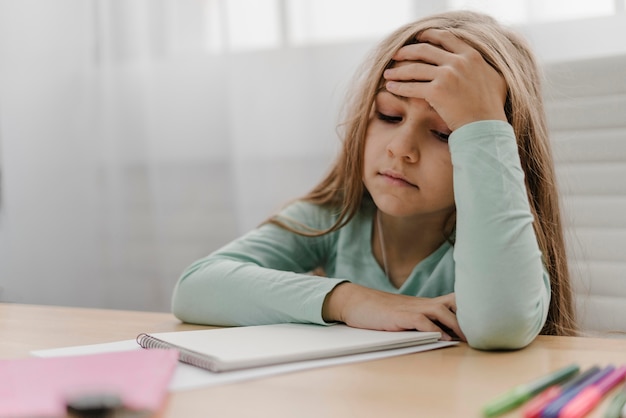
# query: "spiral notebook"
225,349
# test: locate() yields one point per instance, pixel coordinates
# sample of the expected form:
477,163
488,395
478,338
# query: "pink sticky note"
40,386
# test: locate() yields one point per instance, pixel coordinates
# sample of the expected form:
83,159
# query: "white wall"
586,104
120,168
284,133
106,166
572,40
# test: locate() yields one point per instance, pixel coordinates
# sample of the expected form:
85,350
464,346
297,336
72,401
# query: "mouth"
396,179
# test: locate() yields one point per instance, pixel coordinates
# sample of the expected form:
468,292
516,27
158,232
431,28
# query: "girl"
440,213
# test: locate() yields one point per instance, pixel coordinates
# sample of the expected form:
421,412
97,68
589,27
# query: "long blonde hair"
343,189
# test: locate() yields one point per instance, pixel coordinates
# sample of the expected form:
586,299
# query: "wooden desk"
450,382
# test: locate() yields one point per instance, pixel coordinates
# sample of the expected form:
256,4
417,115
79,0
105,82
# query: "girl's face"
407,164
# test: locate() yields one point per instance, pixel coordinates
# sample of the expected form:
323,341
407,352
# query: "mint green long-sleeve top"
494,267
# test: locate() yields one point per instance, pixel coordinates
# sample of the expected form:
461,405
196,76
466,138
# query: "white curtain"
133,142
129,150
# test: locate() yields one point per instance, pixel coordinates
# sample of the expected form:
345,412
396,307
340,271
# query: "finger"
448,319
410,71
453,335
449,300
452,306
424,52
424,324
415,89
443,39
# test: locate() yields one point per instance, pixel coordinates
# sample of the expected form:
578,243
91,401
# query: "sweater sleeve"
260,278
502,288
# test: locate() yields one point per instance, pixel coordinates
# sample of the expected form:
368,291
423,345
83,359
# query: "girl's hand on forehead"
451,76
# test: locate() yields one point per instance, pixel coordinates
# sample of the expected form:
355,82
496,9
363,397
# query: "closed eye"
388,118
443,137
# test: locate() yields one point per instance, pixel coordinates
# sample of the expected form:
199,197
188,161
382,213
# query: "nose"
404,145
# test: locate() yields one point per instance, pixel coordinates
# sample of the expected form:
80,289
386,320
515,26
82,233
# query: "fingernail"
391,85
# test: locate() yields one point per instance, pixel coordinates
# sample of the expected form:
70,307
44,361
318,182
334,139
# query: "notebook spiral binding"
184,355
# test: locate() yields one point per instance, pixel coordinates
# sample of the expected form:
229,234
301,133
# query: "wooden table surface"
450,382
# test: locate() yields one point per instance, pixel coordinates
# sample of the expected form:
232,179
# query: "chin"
394,207
398,208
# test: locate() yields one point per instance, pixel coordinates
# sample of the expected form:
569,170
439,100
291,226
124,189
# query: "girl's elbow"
180,313
498,334
180,309
190,294
185,304
499,341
